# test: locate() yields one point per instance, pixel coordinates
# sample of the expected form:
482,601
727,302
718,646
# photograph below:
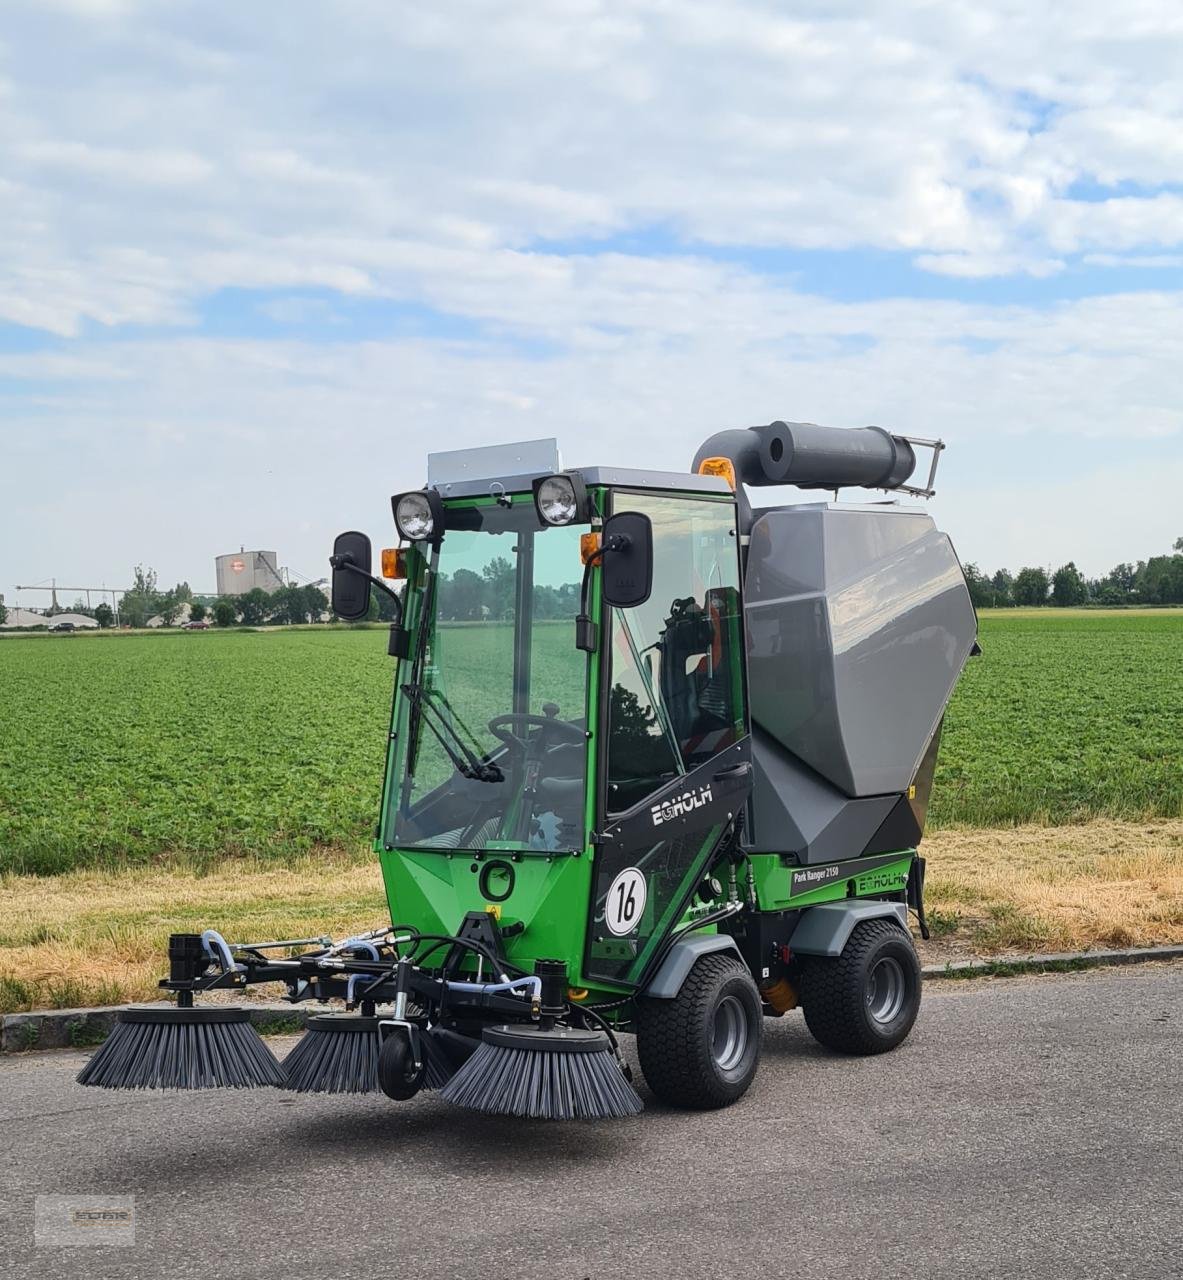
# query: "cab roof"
513,468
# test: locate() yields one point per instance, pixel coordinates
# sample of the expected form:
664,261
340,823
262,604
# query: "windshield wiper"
463,759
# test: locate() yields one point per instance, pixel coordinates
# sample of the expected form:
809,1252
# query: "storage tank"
241,571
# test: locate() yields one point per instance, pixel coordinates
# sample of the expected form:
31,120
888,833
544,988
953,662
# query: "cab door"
674,728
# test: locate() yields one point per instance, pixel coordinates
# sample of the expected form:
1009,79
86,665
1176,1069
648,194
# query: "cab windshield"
491,746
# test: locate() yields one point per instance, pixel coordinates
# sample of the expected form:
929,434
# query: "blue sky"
252,271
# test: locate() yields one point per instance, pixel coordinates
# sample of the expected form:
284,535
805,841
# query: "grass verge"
93,937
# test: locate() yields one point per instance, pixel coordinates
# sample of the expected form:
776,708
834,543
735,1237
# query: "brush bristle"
438,1067
182,1052
335,1055
539,1085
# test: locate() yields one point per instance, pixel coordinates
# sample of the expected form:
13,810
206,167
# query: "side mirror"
351,575
627,563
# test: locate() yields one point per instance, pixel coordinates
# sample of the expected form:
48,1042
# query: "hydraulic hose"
491,988
217,946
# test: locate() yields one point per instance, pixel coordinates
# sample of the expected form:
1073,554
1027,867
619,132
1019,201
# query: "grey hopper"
859,623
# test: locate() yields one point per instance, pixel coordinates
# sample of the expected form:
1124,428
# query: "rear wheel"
865,1000
701,1049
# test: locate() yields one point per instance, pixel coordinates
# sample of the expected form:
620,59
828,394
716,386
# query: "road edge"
85,1028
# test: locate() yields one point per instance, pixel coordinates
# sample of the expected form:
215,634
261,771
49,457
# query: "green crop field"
212,743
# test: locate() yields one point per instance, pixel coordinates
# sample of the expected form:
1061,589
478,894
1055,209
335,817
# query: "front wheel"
701,1049
865,1000
398,1077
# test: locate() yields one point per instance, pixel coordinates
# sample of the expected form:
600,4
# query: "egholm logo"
679,806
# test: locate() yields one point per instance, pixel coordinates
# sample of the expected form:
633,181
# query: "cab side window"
676,682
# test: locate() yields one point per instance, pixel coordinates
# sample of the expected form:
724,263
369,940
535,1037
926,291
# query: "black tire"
865,1000
397,1075
701,1049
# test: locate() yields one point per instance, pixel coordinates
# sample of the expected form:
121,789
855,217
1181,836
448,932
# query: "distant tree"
316,602
254,607
290,604
1160,580
500,580
463,596
142,601
225,613
196,611
1120,582
1179,544
1068,586
981,592
1003,586
168,606
1031,587
385,606
104,615
3,612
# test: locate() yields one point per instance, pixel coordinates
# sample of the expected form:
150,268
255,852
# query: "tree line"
467,596
288,604
145,600
1158,580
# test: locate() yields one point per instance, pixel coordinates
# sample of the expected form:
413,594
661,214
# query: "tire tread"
831,993
675,1061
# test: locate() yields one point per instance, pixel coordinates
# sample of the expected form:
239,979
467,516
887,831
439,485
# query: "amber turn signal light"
718,467
394,562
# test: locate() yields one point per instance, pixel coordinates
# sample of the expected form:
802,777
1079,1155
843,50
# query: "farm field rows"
126,748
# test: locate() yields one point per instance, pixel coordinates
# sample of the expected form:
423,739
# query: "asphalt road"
1029,1127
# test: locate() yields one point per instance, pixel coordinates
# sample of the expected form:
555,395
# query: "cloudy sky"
256,260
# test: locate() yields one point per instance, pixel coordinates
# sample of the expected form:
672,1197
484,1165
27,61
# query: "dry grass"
100,937
1100,884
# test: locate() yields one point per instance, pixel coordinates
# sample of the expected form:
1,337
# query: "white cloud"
232,150
441,154
1037,407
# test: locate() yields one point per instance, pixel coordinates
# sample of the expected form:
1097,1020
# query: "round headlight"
413,517
556,500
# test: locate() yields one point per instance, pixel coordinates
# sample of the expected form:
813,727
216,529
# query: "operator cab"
551,615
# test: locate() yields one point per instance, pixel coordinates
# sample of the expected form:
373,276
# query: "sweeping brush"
444,1053
183,1049
560,1074
338,1053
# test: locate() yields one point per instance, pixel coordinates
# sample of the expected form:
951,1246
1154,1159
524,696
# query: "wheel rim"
729,1036
886,989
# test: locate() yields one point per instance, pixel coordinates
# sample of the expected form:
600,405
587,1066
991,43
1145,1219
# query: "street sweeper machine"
659,761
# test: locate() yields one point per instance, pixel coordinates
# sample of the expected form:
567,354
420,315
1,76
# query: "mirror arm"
399,644
345,562
586,637
585,628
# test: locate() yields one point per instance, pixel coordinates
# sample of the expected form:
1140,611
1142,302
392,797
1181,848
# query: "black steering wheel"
550,725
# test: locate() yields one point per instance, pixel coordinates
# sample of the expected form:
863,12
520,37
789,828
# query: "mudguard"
823,930
668,979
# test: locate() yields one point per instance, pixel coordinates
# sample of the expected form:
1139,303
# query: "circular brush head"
338,1053
183,1049
444,1052
562,1074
